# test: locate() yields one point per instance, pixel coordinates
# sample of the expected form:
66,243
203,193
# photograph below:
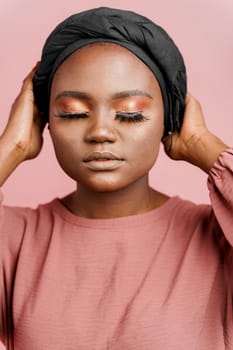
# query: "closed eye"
72,115
131,117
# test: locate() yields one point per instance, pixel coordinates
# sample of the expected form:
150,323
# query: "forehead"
102,51
104,64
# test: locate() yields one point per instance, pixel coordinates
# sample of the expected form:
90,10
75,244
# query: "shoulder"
13,215
190,217
20,223
187,209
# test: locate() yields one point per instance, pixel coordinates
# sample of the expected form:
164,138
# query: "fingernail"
37,64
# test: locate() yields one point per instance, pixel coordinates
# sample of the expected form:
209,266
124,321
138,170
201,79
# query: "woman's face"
106,117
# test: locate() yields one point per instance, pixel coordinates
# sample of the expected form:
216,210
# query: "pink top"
159,280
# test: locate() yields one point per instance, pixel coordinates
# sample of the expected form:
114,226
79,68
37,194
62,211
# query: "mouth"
102,161
101,156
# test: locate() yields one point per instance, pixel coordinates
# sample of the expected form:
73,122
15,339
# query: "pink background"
203,30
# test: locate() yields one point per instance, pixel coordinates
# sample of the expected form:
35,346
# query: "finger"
192,101
32,72
188,96
26,93
189,100
27,82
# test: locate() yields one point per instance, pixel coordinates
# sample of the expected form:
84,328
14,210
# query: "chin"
103,182
103,187
106,182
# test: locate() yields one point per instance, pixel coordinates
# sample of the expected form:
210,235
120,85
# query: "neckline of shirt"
155,214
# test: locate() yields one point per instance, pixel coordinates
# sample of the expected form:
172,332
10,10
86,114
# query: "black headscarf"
144,38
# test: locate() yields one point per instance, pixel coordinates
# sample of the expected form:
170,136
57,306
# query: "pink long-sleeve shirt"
158,280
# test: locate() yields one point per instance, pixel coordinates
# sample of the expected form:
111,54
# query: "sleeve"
2,291
220,185
11,235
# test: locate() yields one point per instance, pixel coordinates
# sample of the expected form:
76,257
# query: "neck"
136,199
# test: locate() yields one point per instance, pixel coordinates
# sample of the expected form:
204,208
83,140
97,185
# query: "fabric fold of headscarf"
147,40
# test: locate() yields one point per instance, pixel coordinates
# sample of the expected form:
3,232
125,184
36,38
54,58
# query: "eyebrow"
84,96
129,93
75,94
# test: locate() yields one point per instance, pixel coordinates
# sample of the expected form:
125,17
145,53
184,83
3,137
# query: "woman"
115,264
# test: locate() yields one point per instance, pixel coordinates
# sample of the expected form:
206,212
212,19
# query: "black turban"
144,38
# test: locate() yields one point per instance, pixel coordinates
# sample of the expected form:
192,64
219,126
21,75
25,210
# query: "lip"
102,161
101,156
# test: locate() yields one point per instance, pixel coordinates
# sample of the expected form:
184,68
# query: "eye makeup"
71,104
130,117
131,109
71,109
72,115
127,110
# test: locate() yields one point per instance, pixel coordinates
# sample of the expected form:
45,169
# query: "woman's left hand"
194,143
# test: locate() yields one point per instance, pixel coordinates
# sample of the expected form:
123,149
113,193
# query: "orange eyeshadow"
71,104
133,105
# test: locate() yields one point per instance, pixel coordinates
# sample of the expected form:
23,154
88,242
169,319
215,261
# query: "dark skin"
109,85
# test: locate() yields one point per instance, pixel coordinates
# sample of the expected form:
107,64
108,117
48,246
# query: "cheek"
64,133
145,145
66,153
147,137
66,142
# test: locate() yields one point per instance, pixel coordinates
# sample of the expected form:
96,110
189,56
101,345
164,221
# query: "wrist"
10,157
204,150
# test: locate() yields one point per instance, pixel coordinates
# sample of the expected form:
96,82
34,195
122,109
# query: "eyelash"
129,117
74,115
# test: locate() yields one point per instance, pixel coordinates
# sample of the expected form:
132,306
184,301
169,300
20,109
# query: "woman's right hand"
22,138
25,125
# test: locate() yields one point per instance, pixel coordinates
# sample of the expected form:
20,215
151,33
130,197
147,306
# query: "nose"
100,130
